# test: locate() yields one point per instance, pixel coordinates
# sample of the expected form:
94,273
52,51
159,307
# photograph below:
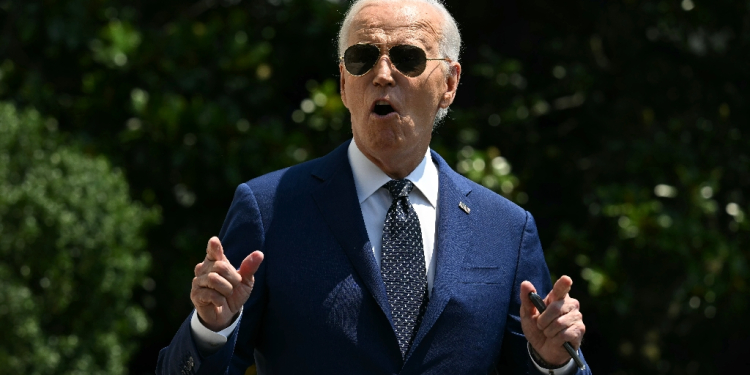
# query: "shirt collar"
368,178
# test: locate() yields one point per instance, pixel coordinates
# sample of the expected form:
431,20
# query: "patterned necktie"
402,264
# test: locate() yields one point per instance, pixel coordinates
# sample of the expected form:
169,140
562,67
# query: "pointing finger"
560,290
214,251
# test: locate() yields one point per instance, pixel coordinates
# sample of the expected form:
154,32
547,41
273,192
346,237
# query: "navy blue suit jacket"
319,305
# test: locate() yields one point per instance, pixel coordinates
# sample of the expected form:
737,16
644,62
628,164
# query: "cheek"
358,103
425,106
433,91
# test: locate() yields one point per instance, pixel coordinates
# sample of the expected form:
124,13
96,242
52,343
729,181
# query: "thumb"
560,289
214,250
249,266
527,307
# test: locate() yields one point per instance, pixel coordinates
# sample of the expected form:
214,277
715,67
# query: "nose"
383,72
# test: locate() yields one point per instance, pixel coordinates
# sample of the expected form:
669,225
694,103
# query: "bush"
621,125
71,253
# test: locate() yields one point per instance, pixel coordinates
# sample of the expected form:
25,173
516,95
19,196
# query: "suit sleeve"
241,234
514,357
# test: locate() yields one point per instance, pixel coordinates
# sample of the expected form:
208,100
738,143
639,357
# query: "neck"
396,169
397,165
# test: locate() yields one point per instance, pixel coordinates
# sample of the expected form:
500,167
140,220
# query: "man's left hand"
562,321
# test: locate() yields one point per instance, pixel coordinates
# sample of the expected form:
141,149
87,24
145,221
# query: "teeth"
381,102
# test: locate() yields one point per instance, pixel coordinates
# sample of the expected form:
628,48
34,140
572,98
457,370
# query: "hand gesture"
561,321
219,290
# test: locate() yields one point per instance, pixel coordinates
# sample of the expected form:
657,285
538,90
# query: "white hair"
449,44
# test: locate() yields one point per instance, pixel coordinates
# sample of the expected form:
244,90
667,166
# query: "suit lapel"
453,236
337,201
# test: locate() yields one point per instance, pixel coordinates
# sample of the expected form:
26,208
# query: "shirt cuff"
568,369
208,341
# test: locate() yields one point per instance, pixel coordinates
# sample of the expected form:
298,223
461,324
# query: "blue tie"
402,264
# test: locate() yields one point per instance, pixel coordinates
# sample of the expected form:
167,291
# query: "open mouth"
382,108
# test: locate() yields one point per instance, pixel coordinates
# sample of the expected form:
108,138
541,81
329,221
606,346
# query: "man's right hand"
219,290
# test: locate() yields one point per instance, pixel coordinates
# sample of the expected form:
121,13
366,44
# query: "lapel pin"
464,207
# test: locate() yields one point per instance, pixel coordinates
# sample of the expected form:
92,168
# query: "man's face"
401,126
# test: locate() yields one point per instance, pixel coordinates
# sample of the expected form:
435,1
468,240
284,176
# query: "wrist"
536,357
217,327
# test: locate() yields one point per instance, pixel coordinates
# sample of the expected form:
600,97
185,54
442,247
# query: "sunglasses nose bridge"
384,53
383,69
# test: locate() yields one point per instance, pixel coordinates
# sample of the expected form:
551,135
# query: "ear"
342,84
451,85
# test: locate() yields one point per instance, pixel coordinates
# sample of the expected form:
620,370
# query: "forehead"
396,22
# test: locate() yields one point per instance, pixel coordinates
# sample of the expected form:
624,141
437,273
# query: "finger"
214,250
550,314
555,310
204,267
214,281
205,296
227,271
527,307
558,325
560,290
249,266
572,334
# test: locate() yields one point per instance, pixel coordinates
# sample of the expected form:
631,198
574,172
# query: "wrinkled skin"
397,142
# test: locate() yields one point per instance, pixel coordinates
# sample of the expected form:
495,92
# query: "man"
378,258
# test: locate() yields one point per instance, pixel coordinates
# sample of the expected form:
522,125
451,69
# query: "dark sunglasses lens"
359,58
409,60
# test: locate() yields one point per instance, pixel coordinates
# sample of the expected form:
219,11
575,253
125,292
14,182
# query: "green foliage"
623,122
629,139
71,252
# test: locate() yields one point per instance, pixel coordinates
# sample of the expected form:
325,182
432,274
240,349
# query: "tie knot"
399,188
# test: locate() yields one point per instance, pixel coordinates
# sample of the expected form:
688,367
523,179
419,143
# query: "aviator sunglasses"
409,60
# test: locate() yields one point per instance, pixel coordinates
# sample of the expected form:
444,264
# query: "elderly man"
378,258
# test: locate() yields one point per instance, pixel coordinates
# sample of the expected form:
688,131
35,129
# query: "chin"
391,134
384,144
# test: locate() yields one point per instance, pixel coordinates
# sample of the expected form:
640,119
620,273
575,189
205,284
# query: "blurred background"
125,127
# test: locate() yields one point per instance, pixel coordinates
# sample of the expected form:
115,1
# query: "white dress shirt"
374,201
